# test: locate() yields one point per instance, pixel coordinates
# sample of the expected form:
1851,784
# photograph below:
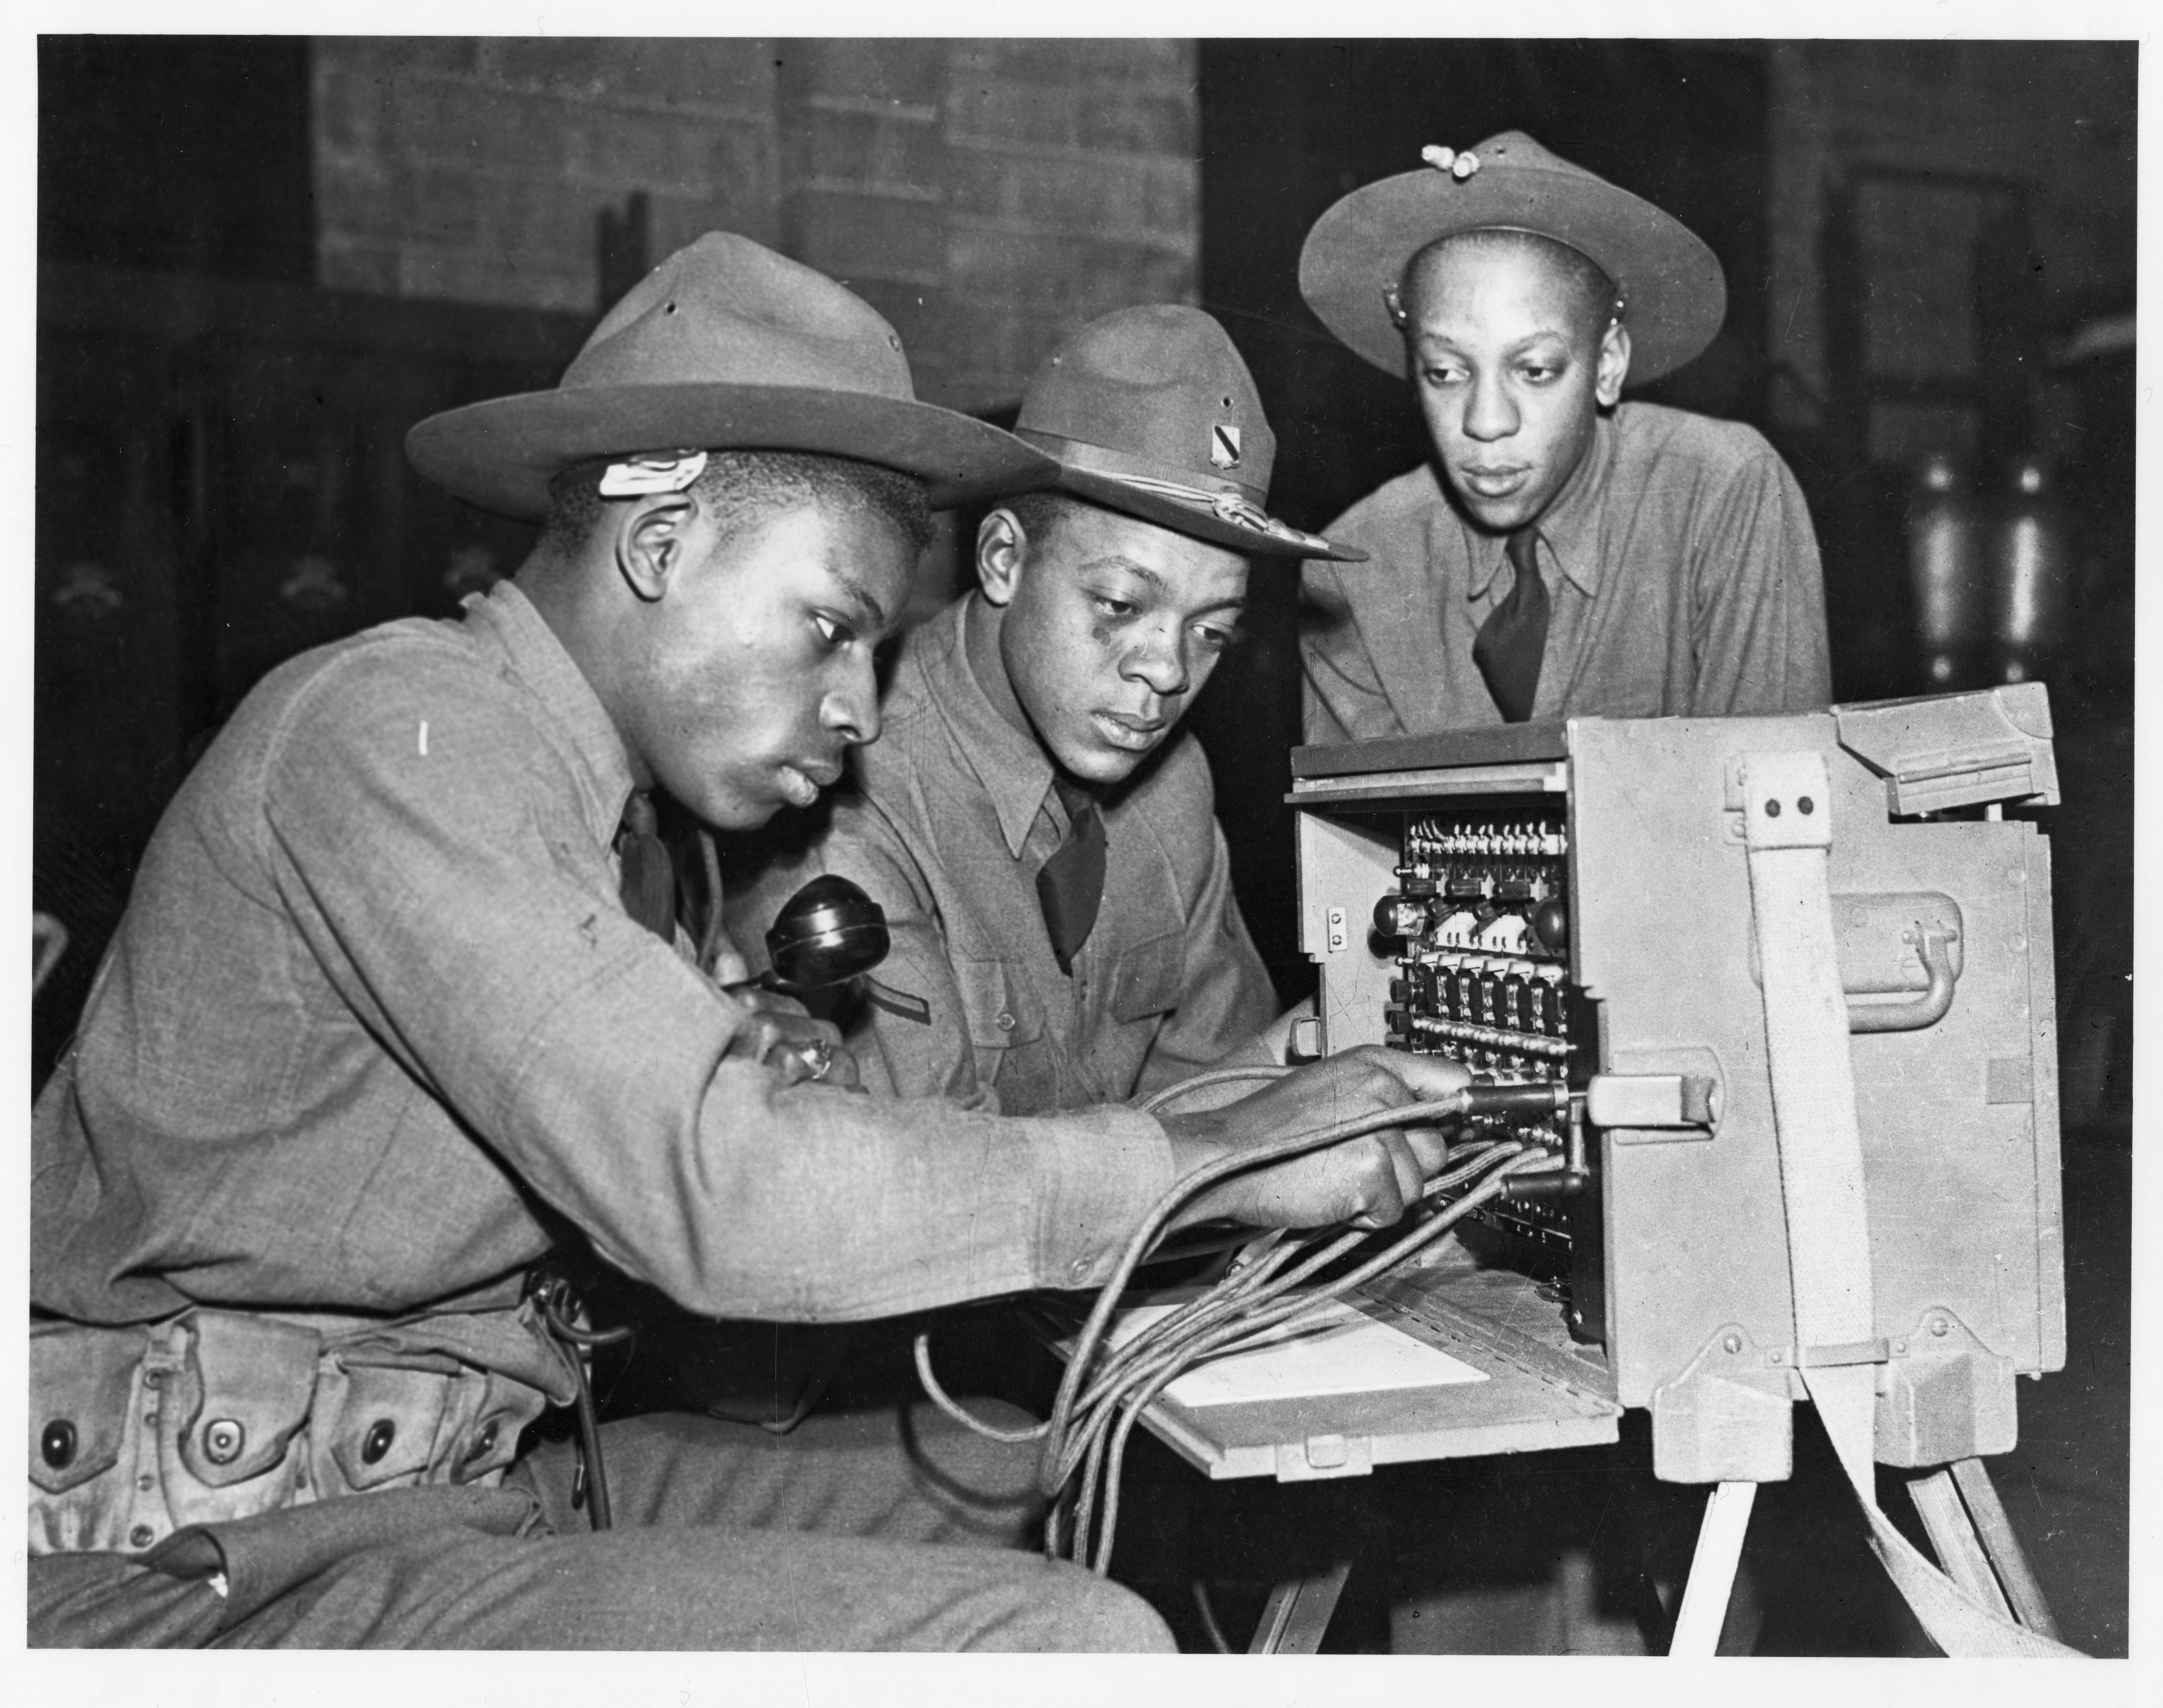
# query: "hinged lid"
1956,749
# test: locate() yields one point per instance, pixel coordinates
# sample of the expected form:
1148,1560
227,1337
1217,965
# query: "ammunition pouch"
212,1416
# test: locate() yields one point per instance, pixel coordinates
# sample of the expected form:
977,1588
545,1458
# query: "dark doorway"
1287,127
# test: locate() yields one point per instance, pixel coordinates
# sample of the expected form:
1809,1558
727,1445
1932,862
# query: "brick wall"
985,196
2056,116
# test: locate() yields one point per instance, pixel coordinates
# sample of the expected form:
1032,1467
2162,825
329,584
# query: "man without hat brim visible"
1565,552
391,1018
1035,726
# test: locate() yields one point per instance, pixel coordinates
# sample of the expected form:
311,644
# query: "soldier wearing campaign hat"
1039,828
399,1009
1565,552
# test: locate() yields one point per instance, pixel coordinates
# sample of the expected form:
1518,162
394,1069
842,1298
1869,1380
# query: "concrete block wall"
2056,116
985,196
473,169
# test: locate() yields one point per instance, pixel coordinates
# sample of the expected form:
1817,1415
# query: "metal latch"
1321,1457
1652,1100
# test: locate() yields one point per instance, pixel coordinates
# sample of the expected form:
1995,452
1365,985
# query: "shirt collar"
1569,529
503,618
1014,770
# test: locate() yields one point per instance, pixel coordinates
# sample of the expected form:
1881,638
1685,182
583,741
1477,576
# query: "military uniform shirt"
376,1022
1682,572
951,817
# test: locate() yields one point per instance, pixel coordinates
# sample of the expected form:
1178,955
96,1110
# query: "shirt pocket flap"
1002,1009
1147,979
245,1394
387,1423
82,1385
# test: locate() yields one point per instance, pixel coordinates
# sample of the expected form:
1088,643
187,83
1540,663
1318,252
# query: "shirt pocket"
1147,979
1006,1026
1000,1009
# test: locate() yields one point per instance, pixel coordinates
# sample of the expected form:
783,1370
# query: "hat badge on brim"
1149,411
725,346
1354,258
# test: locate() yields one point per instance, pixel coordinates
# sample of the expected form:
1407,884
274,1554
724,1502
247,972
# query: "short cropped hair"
1040,513
738,486
1595,300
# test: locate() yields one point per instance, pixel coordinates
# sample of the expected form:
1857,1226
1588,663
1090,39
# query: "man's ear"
1002,553
651,542
1614,365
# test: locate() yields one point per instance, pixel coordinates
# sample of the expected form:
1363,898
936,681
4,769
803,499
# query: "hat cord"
1228,506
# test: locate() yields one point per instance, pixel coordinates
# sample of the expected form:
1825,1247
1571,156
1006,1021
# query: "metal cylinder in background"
1945,571
2029,559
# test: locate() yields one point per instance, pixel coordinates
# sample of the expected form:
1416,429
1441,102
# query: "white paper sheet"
1344,1352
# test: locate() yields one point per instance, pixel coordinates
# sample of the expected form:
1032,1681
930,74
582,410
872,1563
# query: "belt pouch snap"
385,1430
82,1380
490,1443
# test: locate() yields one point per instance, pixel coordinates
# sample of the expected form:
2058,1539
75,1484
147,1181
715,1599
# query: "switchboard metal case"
1627,923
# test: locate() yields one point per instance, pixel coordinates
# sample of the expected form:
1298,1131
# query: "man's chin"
1102,767
739,812
1498,515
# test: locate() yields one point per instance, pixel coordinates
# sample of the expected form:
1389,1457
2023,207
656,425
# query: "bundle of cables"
1262,1296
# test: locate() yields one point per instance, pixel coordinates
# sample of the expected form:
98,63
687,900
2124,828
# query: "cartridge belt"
214,1415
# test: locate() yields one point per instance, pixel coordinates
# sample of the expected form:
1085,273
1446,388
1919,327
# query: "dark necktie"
649,875
1513,639
1072,882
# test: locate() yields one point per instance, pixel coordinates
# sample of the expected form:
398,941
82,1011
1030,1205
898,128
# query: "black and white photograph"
1084,845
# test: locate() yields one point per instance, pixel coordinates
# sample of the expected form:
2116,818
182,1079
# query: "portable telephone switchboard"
1572,903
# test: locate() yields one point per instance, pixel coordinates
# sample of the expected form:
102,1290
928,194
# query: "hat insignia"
1460,163
1224,446
656,471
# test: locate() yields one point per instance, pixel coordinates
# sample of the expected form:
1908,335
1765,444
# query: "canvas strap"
1787,833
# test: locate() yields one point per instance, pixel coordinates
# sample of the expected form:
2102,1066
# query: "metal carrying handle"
1929,1008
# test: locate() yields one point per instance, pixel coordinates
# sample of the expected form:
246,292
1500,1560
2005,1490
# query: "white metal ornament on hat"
639,477
1224,446
1459,166
1226,507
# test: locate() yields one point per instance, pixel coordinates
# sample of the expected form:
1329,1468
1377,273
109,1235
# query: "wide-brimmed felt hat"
1356,256
724,346
1149,411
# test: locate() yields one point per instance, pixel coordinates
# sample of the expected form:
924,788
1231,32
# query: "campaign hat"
725,346
1151,412
1355,259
